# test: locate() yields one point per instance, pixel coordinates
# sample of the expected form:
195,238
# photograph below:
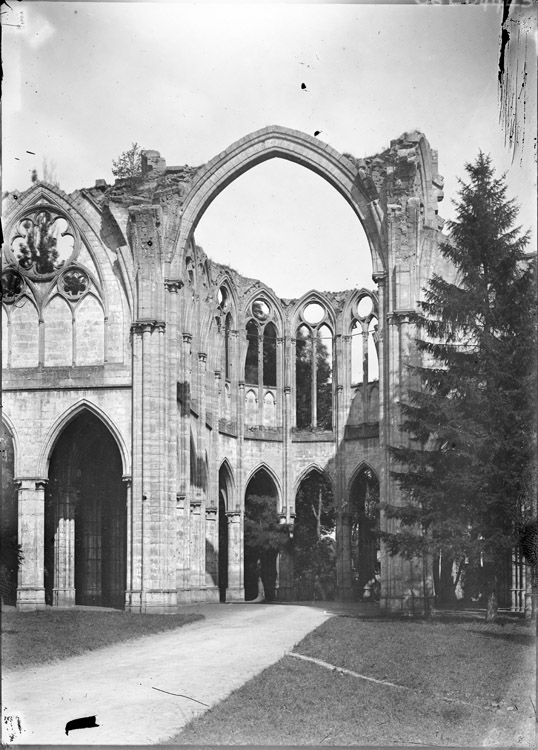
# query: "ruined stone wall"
131,323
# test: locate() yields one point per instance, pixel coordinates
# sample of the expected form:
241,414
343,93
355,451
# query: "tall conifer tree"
467,473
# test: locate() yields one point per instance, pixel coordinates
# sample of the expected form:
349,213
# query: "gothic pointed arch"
63,420
227,485
85,549
262,292
361,467
312,468
264,468
364,513
278,142
47,198
316,298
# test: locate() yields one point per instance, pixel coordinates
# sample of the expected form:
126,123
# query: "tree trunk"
317,515
492,599
531,593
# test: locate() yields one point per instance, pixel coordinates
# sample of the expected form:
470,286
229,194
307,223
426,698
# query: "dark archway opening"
314,546
263,536
85,518
224,502
365,549
9,546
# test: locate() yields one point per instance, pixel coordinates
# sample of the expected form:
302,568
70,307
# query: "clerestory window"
260,362
313,370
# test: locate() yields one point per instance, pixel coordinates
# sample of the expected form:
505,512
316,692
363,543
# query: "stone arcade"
148,390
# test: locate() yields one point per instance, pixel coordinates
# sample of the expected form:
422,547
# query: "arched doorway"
262,536
225,488
9,555
314,546
365,549
85,518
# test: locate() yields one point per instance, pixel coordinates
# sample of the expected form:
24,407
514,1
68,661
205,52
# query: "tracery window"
43,247
260,362
313,370
48,275
364,358
224,325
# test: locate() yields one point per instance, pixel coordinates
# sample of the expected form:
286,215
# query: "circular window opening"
74,283
365,307
313,313
12,286
43,243
260,310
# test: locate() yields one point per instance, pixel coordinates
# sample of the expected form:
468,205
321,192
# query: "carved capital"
379,278
173,285
202,357
187,338
147,326
397,317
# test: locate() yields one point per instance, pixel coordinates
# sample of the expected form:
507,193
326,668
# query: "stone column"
383,353
236,589
343,571
172,367
63,593
128,539
31,589
183,550
197,551
285,589
211,554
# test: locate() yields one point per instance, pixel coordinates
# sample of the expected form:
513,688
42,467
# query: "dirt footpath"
136,689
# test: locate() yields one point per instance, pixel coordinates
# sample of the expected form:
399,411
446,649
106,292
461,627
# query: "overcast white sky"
85,80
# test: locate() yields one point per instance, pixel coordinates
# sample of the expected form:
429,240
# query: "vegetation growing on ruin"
129,163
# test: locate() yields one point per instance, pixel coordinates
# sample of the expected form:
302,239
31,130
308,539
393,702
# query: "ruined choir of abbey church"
149,392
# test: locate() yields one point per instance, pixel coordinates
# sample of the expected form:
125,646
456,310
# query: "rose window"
43,242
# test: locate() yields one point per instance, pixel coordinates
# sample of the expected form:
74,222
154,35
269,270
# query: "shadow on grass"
523,639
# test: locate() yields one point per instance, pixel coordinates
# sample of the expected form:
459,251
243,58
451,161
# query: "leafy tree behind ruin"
303,375
467,469
39,252
313,545
264,536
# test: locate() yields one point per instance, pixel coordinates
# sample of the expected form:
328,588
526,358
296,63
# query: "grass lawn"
52,634
491,666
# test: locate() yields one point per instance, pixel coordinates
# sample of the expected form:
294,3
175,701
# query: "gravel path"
127,686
